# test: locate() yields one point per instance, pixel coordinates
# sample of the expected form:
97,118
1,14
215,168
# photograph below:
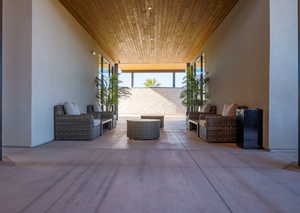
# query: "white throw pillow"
232,110
97,108
71,109
229,109
206,108
77,109
225,110
202,108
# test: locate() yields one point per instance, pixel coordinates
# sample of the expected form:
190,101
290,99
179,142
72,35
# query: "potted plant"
109,92
195,93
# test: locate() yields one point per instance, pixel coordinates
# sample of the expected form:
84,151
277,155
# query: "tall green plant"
195,91
205,88
191,93
109,91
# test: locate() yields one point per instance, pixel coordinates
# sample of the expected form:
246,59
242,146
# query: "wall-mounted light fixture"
150,8
93,52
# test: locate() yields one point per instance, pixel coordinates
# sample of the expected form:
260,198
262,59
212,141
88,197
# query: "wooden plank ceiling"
150,31
152,67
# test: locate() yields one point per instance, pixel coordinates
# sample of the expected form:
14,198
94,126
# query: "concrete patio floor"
177,174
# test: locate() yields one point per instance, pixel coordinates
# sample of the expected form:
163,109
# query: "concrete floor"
177,174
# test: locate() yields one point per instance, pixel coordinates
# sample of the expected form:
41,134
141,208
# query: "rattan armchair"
194,118
218,129
75,127
103,115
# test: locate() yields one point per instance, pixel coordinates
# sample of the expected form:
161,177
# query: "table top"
143,120
153,116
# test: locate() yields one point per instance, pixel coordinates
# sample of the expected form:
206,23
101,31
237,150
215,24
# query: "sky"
164,79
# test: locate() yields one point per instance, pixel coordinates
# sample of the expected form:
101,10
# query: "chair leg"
101,129
190,126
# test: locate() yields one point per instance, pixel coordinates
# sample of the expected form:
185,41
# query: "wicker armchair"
75,127
103,115
220,128
194,118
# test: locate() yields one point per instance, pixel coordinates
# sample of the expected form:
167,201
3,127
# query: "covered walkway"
179,173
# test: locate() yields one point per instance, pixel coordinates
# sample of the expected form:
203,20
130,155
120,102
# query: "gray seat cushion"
96,122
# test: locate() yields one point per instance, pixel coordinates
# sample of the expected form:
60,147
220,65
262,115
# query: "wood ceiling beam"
152,67
150,31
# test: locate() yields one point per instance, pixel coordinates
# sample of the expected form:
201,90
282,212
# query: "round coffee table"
143,129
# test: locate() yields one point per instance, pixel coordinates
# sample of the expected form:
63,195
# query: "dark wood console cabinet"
250,128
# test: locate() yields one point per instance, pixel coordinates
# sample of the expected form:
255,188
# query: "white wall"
17,72
237,58
164,101
252,59
283,74
47,61
63,68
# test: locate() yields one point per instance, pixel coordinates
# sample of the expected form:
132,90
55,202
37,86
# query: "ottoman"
143,129
160,117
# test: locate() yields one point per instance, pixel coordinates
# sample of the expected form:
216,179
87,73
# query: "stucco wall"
17,72
63,68
283,74
237,59
164,101
48,61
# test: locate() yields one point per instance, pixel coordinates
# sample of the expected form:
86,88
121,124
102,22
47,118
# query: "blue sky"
165,79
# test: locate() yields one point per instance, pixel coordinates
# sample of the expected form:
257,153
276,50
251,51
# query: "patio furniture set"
237,124
213,127
71,124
